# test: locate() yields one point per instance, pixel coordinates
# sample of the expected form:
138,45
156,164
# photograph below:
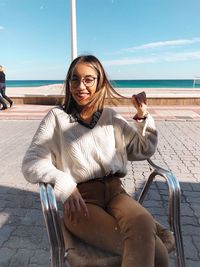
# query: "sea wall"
57,100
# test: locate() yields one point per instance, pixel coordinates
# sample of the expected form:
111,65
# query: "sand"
54,89
58,89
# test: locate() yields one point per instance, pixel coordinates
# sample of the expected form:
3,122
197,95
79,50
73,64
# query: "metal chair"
68,251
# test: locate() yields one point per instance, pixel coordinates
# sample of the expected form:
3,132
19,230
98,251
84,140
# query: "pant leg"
3,102
3,92
100,230
161,254
1,96
141,247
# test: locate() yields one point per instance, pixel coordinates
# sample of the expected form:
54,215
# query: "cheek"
93,90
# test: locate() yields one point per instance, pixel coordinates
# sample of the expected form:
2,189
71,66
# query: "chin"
83,102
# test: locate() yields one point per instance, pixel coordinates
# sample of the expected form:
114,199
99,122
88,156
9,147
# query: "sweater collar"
75,117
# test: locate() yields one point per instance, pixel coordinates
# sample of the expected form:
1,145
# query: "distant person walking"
3,90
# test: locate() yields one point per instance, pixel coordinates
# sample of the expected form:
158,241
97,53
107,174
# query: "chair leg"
174,203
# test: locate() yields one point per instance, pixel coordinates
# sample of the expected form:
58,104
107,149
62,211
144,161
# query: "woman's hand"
74,206
140,103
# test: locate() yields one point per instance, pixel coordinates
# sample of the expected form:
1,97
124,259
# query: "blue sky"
134,39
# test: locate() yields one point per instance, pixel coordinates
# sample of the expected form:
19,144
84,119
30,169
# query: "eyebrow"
86,76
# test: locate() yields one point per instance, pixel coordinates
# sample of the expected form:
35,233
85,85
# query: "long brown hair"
104,88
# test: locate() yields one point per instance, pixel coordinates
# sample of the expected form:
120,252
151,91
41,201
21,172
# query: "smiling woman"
83,149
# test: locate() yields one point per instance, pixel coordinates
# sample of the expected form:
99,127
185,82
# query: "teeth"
83,94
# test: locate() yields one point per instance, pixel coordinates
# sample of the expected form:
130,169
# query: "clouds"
166,57
160,51
130,61
183,56
1,28
42,7
162,44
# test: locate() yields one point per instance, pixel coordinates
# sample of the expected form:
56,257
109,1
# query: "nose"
81,84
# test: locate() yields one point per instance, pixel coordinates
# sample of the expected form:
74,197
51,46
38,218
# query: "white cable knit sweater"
65,153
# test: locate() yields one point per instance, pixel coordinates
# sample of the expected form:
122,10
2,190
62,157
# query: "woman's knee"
140,221
145,220
130,214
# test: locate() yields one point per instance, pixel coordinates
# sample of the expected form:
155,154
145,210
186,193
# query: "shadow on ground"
23,237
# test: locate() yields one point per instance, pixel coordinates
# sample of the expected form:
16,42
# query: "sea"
116,83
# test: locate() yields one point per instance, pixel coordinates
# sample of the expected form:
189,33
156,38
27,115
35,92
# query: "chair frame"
52,218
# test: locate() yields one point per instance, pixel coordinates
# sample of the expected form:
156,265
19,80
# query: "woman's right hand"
75,205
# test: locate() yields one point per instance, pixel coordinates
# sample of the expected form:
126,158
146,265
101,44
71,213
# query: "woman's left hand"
139,102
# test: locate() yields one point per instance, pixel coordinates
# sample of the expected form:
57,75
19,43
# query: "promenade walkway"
37,112
23,237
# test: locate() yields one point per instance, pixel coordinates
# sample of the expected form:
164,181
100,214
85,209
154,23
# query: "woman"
83,148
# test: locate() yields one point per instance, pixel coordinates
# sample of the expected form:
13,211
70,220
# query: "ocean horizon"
154,83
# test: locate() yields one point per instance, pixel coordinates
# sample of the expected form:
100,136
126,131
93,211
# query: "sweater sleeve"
39,163
140,138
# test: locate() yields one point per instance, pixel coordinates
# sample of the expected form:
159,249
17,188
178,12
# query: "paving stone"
5,232
21,258
40,258
191,252
191,263
6,255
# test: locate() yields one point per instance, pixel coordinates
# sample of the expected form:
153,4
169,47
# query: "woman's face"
83,83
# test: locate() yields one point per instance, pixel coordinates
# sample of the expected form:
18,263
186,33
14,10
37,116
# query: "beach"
53,89
53,94
58,89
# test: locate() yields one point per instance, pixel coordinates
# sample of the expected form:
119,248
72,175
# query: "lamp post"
73,29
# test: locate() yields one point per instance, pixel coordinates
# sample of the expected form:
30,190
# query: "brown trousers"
119,224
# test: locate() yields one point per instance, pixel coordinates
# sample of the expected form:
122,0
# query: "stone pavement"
37,112
23,237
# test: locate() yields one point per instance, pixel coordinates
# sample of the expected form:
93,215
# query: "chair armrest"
173,186
52,222
49,223
174,205
56,220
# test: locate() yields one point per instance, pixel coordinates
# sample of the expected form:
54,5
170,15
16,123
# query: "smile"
83,95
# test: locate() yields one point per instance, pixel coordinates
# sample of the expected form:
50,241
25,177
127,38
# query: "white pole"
73,30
